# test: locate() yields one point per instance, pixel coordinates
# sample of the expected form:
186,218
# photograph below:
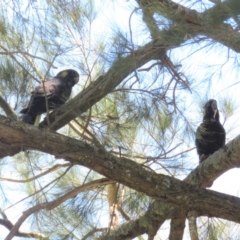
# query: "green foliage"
214,229
228,107
150,117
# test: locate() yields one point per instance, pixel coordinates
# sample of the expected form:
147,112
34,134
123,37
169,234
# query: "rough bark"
166,189
195,23
192,223
165,40
202,176
210,23
177,228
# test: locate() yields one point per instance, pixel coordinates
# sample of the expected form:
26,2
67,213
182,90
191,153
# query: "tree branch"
75,191
109,81
193,225
153,50
36,176
177,228
53,204
104,84
166,189
217,37
7,224
7,109
148,223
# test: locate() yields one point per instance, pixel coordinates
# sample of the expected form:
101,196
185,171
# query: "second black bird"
210,135
51,93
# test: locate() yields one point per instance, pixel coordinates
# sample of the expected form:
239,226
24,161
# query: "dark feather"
210,135
56,92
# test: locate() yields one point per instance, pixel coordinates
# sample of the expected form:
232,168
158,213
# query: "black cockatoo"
210,135
56,92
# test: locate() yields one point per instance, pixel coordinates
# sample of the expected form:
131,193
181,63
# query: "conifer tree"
118,160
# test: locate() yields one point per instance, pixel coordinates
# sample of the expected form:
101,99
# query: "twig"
7,224
47,185
86,131
55,203
150,67
36,176
74,192
124,215
27,54
89,234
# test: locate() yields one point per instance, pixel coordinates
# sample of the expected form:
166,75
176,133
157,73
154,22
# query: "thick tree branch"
27,132
150,21
219,35
164,188
211,24
173,11
177,228
180,14
153,50
192,222
109,81
153,218
225,35
216,165
148,223
202,176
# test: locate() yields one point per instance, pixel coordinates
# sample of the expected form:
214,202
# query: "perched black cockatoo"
55,92
210,135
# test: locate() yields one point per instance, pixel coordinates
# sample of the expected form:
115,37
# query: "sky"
223,78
